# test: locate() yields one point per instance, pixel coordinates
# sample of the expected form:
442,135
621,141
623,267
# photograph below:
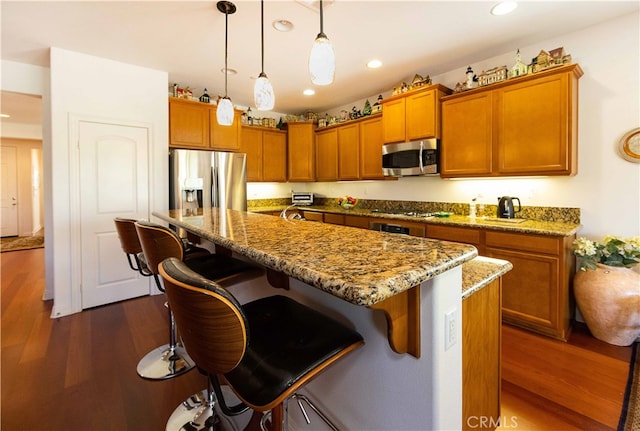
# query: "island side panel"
375,388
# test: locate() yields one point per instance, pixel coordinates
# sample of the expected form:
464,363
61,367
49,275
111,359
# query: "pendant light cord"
262,34
321,21
226,37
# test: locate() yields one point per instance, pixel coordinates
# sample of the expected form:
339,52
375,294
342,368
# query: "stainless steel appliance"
205,179
506,208
302,198
411,158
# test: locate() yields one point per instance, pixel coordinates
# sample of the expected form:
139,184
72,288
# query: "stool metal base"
164,363
197,413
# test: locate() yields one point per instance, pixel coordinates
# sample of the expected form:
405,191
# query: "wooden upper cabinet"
523,126
188,124
194,125
423,115
349,152
466,149
251,144
266,154
301,151
274,156
371,149
536,133
327,155
393,120
226,138
413,115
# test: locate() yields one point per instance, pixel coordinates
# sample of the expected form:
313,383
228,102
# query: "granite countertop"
539,227
360,266
481,271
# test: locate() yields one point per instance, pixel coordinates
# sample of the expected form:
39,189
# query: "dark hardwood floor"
79,372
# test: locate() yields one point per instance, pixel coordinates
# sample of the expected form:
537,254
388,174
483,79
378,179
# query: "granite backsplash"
551,214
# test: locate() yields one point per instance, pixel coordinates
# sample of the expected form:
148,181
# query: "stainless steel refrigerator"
204,179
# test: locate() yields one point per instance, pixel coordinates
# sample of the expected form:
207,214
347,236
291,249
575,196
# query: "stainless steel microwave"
411,158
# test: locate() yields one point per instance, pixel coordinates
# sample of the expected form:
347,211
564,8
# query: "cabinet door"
348,152
252,145
533,127
421,116
274,156
188,124
393,120
327,155
457,234
467,141
371,149
530,291
226,138
301,152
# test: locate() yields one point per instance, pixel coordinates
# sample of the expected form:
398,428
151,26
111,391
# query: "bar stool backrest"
129,241
158,243
212,324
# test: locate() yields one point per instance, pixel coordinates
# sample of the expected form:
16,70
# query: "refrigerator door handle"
214,186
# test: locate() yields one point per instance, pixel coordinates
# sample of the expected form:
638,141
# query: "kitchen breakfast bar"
404,295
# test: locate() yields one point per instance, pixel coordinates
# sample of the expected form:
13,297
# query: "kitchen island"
412,381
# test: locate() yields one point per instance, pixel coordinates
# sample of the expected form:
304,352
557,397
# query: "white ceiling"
186,39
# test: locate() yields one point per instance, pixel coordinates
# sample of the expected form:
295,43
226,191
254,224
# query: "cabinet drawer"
356,221
313,216
334,218
457,234
523,242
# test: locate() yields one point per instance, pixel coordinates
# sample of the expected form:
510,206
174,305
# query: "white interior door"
9,191
114,182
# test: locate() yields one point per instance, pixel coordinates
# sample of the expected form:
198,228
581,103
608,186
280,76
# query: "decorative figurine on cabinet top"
518,69
205,97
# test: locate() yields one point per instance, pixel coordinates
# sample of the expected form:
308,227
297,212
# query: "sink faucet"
283,214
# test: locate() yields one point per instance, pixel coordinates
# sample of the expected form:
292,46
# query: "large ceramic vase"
609,300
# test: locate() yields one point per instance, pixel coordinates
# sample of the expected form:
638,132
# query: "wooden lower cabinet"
481,350
357,221
536,292
334,218
457,234
313,216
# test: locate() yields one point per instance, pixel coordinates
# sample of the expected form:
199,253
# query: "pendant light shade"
263,94
224,111
322,60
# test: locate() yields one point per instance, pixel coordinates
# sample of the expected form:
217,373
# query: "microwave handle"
420,157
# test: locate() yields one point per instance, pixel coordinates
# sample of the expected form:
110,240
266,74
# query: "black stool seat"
266,349
218,266
288,340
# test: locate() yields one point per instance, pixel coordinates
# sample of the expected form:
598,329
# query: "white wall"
89,86
606,188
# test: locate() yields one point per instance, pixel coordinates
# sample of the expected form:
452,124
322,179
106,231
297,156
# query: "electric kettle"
505,207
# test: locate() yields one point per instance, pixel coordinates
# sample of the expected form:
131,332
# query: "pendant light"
263,90
224,112
322,60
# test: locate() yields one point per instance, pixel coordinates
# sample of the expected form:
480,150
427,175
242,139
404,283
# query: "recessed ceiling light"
504,8
309,92
282,25
374,64
230,71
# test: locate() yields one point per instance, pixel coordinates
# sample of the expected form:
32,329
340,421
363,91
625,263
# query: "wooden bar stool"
265,350
130,244
158,243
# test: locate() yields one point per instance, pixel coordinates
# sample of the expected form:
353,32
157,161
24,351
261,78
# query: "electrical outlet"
450,329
